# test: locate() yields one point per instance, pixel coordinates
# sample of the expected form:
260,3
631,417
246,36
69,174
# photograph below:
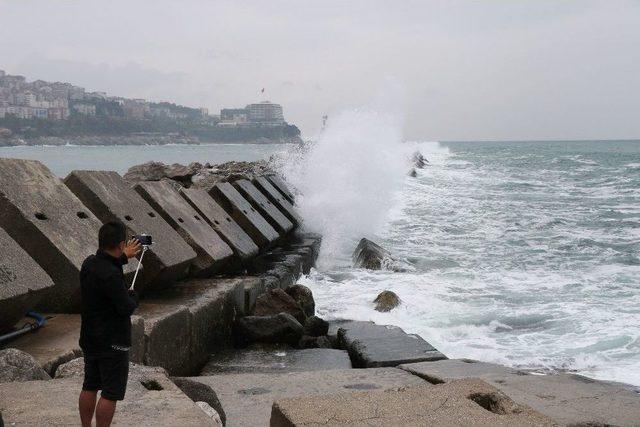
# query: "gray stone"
276,360
247,398
199,392
262,233
22,282
184,324
315,326
252,290
16,365
277,199
372,345
303,296
111,198
459,403
308,341
386,301
280,328
268,210
150,171
49,222
212,252
370,255
75,368
150,401
53,344
568,399
418,160
276,301
220,220
212,413
282,187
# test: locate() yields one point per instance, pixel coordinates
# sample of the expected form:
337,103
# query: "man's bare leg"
86,405
104,412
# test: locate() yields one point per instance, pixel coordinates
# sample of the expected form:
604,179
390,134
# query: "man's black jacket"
106,304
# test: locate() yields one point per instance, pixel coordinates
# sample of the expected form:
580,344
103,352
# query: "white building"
265,112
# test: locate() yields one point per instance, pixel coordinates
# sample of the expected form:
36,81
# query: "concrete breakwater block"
268,210
566,398
221,221
49,222
151,400
278,199
22,282
212,252
459,403
262,233
282,187
276,359
111,198
372,346
186,323
247,398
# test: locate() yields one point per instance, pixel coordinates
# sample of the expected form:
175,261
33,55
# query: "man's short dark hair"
111,235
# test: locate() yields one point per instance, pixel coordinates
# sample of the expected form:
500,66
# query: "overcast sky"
511,69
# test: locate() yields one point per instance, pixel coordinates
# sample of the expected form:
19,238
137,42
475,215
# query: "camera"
144,239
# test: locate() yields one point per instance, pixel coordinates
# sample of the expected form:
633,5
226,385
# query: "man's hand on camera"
132,248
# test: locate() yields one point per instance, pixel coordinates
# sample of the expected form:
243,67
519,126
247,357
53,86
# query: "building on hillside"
58,113
265,113
84,109
233,117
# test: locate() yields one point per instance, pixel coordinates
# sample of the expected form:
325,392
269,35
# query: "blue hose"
39,322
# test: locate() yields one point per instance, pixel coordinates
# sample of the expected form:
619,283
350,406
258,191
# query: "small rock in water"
315,326
304,297
412,173
276,301
281,328
386,301
418,160
370,255
16,365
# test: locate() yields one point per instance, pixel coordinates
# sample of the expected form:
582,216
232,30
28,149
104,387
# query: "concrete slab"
372,345
53,344
22,282
276,197
247,398
276,360
459,403
568,399
262,233
221,221
111,198
54,403
49,222
186,323
268,210
282,187
212,252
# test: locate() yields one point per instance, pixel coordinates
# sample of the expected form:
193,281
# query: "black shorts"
107,372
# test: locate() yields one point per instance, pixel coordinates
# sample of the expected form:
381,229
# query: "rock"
304,297
75,368
315,326
181,173
386,301
212,413
418,160
247,398
276,301
199,392
281,328
372,345
308,341
460,403
16,365
370,255
150,171
412,173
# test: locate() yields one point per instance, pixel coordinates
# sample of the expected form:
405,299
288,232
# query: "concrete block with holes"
262,233
49,222
111,198
282,187
213,254
268,210
277,199
221,221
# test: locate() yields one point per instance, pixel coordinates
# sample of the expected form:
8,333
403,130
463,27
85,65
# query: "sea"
520,253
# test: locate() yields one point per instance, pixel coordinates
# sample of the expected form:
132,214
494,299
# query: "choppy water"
524,253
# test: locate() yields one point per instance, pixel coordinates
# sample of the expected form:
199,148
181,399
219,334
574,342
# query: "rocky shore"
225,334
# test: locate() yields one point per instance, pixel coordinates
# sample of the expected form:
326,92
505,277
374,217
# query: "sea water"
522,253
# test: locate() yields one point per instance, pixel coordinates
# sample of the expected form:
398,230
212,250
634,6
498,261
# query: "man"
105,334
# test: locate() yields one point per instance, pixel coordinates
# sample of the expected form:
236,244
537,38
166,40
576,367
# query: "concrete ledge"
247,398
22,282
111,198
